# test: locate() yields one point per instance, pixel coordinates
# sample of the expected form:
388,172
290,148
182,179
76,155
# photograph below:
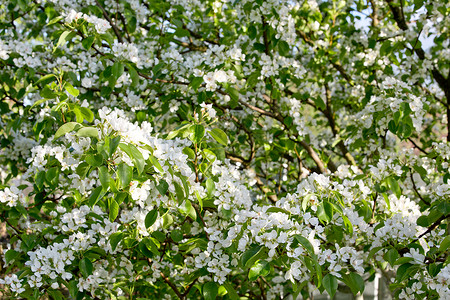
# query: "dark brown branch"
10,225
417,146
190,46
444,83
341,70
433,226
415,189
261,288
335,130
374,207
267,191
172,286
114,27
199,36
125,26
189,287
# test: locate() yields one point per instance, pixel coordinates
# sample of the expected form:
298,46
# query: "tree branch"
114,27
433,226
415,189
172,286
444,83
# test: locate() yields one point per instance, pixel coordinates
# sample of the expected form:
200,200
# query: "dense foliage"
232,149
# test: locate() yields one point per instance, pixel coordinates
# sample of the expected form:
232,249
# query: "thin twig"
415,189
172,286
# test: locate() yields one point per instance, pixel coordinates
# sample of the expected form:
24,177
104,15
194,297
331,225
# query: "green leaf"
125,174
405,271
52,175
71,90
46,79
88,42
198,131
62,39
250,255
151,217
393,185
391,256
121,196
283,48
196,83
86,267
55,294
179,192
232,294
113,209
373,252
210,290
88,132
79,116
209,155
210,186
114,239
156,163
200,200
10,255
325,211
445,244
104,177
134,76
135,155
403,260
251,32
55,20
94,160
117,69
330,284
145,250
96,194
305,243
65,128
113,144
162,187
167,220
260,268
275,209
151,245
219,135
39,179
355,282
423,221
73,288
87,114
176,235
47,93
187,209
189,152
320,103
233,93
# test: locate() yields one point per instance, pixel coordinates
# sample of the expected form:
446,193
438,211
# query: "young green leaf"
210,290
219,135
86,267
65,128
330,284
125,174
113,209
260,268
88,132
151,217
71,90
